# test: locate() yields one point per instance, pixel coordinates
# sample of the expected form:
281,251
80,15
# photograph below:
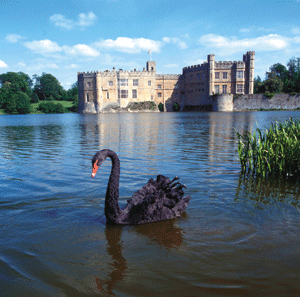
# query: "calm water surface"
238,237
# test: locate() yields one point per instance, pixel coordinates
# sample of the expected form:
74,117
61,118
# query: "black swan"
158,200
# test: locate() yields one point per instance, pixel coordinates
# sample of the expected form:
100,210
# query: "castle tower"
151,66
211,73
251,71
249,59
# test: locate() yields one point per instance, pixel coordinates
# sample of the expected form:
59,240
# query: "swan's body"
158,200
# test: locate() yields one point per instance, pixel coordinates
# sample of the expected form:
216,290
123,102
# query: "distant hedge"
51,107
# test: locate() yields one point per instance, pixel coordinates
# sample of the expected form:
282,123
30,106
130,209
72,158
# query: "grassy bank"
34,107
273,152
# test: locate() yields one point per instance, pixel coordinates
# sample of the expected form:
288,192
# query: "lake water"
238,237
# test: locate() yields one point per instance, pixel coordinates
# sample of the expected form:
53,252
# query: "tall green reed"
274,152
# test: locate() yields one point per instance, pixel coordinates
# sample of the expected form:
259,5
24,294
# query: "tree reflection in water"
165,233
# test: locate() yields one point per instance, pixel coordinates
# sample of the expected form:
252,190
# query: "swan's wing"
157,200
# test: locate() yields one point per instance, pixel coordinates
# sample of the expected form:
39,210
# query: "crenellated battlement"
193,68
119,73
168,76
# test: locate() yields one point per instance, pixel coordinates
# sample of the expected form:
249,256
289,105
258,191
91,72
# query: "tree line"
18,91
280,79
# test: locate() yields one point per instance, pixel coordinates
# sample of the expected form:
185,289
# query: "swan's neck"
112,209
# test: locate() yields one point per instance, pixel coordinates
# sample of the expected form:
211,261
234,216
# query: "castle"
194,87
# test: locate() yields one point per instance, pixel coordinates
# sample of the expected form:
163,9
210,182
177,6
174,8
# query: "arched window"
107,95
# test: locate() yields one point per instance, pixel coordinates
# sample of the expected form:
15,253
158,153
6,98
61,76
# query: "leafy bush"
176,107
18,103
51,107
269,95
276,152
161,107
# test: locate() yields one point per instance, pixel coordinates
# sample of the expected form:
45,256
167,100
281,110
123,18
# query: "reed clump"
274,152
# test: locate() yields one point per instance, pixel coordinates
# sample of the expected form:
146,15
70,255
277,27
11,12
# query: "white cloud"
13,38
72,66
181,44
271,42
171,65
41,66
61,21
81,50
254,29
45,46
22,64
130,45
295,30
3,64
83,20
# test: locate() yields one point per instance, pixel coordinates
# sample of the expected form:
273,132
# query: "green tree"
273,84
5,94
22,102
278,70
11,106
18,103
47,87
73,91
258,85
75,104
19,82
294,74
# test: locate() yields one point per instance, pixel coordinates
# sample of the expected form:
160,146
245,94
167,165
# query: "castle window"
159,95
151,97
107,95
123,82
217,75
224,89
134,94
122,94
149,83
159,87
239,88
135,82
217,89
240,74
88,84
89,97
110,83
224,75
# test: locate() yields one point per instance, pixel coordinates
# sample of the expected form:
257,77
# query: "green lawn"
34,106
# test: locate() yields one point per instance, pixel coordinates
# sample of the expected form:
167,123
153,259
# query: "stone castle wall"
194,87
259,101
229,102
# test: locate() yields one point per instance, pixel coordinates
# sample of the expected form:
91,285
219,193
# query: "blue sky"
64,37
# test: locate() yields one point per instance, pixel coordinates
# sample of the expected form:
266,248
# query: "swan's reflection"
165,233
114,249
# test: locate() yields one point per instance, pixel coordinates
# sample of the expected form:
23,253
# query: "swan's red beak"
95,168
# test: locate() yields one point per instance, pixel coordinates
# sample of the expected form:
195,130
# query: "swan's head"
97,160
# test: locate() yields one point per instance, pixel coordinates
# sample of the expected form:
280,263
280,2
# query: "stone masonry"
194,87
